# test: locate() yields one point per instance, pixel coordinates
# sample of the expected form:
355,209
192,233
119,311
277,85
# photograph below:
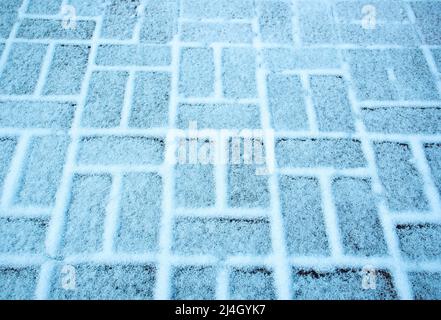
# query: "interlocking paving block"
196,76
20,74
53,29
436,53
44,6
105,99
219,116
286,102
89,7
251,283
391,74
221,236
300,204
22,235
150,100
369,72
18,283
160,21
67,70
194,185
340,283
104,281
413,76
133,55
402,182
275,21
316,23
7,147
278,59
226,9
426,285
140,212
403,120
239,73
336,153
10,5
428,19
40,114
384,11
358,219
118,150
331,103
246,186
382,34
433,154
216,32
193,283
119,19
86,212
7,23
42,171
420,241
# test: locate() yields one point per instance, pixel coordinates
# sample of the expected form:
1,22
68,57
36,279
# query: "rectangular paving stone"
385,11
140,212
286,102
331,103
119,19
336,153
22,235
209,32
18,283
193,283
7,23
195,185
303,220
221,236
86,212
405,120
67,70
42,170
279,59
105,99
428,19
196,76
53,29
239,73
420,241
360,227
89,7
160,21
54,115
275,21
151,100
316,23
120,281
426,285
219,116
22,69
433,155
340,284
44,6
401,180
133,55
251,284
7,148
226,9
382,34
368,69
119,150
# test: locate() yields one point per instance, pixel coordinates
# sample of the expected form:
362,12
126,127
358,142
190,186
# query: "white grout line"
11,183
281,268
44,70
112,213
128,99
